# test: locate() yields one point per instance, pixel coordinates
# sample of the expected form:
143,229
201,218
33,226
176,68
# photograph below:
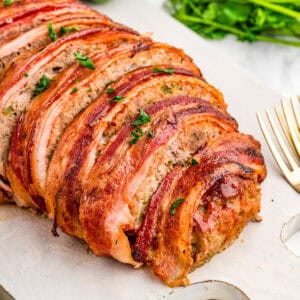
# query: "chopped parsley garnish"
42,85
74,90
143,118
110,91
163,70
8,110
182,163
117,99
136,134
85,61
150,133
166,89
52,34
65,30
109,83
24,135
49,156
26,74
175,205
194,162
7,2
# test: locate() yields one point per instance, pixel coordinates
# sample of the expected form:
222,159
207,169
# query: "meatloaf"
120,140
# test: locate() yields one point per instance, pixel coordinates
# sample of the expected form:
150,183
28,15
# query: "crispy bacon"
138,157
14,84
87,134
51,101
222,162
103,197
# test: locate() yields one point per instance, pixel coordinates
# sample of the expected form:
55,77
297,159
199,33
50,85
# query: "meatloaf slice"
219,193
20,9
87,137
12,30
108,213
58,106
19,87
38,37
65,105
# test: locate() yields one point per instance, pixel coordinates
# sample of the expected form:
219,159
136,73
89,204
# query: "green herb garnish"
166,89
163,70
117,99
26,74
8,110
136,134
52,34
74,90
143,118
150,134
85,61
274,21
110,91
42,85
65,30
182,163
175,205
7,2
194,162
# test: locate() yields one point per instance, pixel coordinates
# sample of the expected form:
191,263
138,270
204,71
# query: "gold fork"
289,122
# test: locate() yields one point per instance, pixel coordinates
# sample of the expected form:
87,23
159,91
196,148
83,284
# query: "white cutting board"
35,265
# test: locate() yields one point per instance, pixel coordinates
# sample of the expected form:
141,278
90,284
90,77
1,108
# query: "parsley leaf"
163,70
174,205
7,2
42,85
143,118
136,134
150,133
74,90
85,61
110,91
194,162
65,30
276,21
52,34
8,110
166,89
116,99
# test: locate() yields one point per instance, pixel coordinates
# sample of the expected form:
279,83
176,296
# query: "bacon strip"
221,161
59,52
103,197
83,139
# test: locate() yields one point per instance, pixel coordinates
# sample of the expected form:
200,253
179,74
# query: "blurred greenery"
276,21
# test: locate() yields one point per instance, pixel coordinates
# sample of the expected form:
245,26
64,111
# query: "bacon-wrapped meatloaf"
120,140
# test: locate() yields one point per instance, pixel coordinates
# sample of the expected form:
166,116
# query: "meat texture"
120,140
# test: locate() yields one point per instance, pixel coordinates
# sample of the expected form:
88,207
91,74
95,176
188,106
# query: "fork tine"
285,130
283,147
272,147
291,125
296,114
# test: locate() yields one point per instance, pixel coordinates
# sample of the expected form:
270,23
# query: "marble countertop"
274,65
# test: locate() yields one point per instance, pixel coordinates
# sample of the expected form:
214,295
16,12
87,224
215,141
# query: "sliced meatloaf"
177,130
94,130
25,79
17,10
55,108
221,191
39,36
120,140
